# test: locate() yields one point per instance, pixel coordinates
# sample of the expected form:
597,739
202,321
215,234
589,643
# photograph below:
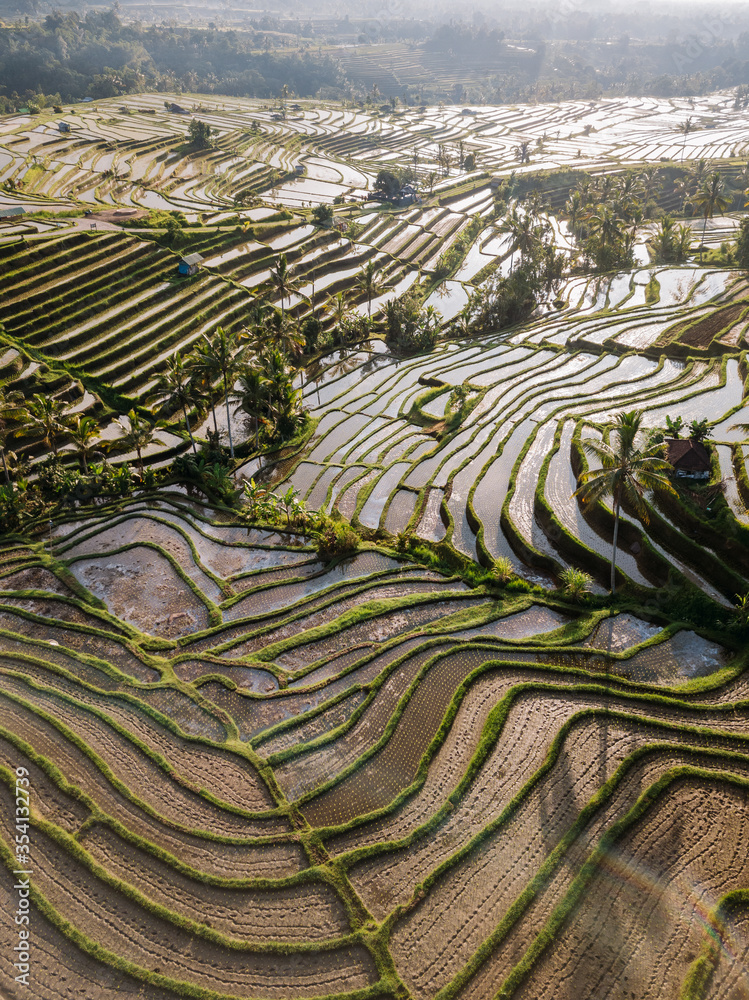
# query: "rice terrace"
375,568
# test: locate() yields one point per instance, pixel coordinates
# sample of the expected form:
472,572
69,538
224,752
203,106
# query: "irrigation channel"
254,772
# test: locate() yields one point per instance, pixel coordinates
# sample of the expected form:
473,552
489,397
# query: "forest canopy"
67,57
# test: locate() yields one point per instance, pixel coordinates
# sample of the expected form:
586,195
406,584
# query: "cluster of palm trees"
43,418
526,229
603,213
255,361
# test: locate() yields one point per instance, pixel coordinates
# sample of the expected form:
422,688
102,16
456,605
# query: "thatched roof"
688,455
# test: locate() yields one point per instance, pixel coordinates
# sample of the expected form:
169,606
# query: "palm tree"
523,151
685,129
709,198
337,308
175,387
137,435
284,334
369,284
625,473
45,418
683,189
606,226
200,367
12,411
282,279
83,432
699,174
252,396
512,225
575,210
651,184
222,355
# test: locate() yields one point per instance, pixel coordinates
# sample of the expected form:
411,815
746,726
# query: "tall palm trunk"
702,241
228,417
189,429
617,505
5,467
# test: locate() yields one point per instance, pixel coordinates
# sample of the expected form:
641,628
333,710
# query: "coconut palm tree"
685,129
605,224
222,355
369,284
284,334
710,197
651,183
137,435
12,411
626,471
336,307
575,209
683,191
83,431
523,151
251,395
45,419
283,280
175,387
513,226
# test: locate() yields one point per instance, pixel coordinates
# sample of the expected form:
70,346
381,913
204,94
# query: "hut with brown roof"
689,458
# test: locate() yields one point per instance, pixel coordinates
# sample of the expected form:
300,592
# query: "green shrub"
336,539
575,583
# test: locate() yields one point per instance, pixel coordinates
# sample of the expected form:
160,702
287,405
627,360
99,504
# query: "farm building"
63,126
189,264
689,458
11,211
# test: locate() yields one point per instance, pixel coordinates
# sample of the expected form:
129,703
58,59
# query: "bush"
503,570
336,539
575,583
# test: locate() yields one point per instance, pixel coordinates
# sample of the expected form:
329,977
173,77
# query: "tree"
742,244
387,186
282,279
199,133
671,243
45,419
709,198
626,471
685,129
673,427
322,215
174,387
137,435
369,284
222,355
285,335
83,432
700,430
336,307
523,151
12,411
252,396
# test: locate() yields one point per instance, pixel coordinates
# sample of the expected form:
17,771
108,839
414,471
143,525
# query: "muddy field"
433,795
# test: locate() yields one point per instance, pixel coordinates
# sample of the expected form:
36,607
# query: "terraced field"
252,773
255,772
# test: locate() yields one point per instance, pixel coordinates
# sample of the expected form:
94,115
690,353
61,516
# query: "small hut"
689,458
190,264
